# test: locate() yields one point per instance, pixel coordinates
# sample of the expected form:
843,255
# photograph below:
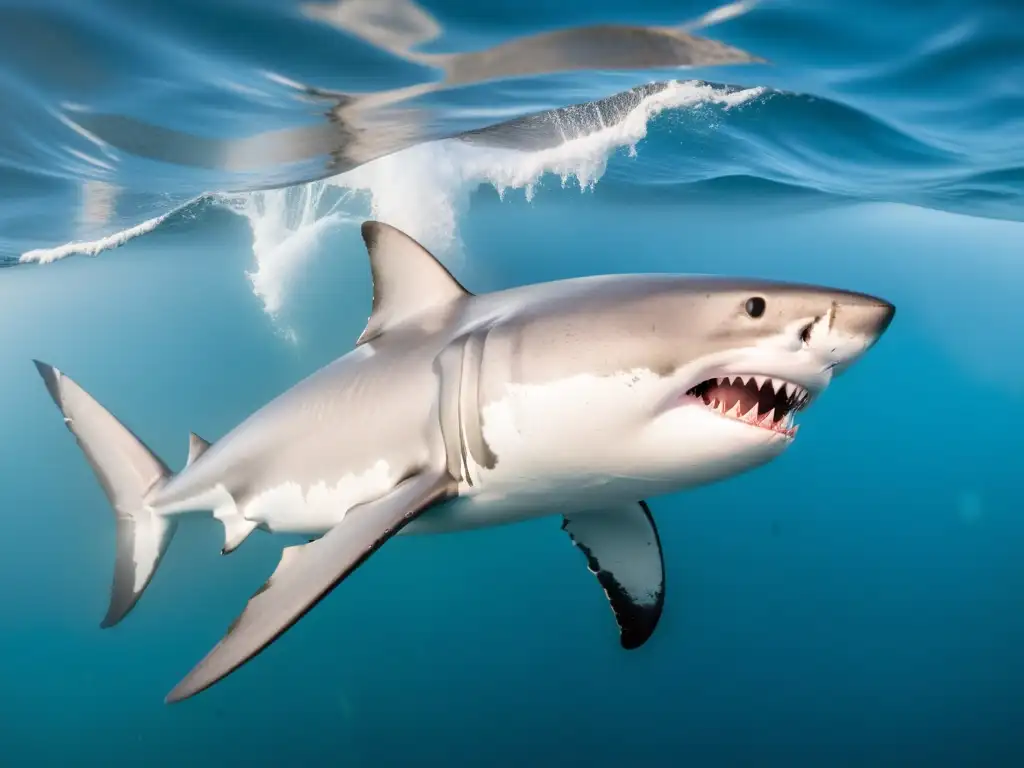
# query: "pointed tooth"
734,412
767,419
760,380
782,388
751,414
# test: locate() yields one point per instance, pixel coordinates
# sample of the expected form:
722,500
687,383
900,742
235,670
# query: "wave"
96,247
160,105
425,189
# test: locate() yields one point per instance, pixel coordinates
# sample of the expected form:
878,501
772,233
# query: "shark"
581,398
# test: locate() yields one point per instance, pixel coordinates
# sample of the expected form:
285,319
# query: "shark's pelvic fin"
407,279
236,527
196,448
127,470
307,572
623,550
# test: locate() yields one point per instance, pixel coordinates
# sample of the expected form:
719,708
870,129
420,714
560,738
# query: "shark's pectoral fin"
623,550
307,572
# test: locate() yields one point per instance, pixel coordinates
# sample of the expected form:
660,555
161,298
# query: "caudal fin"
127,470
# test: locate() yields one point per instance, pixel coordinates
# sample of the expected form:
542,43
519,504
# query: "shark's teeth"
742,397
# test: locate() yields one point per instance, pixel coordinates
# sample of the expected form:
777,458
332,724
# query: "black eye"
755,306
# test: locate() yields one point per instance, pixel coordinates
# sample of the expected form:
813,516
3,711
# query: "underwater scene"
414,383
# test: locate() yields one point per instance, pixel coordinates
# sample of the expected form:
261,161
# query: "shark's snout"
869,317
855,324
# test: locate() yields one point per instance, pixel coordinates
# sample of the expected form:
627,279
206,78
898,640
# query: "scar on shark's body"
578,398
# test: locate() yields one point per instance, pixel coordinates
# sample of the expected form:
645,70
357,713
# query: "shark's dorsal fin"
196,448
407,279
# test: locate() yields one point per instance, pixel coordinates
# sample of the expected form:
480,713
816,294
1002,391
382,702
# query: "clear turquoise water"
856,602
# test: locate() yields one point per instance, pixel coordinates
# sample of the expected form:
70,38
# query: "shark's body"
576,398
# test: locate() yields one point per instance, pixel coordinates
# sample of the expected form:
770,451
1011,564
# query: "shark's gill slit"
759,401
805,334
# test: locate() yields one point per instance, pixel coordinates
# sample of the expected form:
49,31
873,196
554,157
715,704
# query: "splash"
424,190
287,225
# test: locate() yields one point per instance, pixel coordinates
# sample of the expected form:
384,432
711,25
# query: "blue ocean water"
855,602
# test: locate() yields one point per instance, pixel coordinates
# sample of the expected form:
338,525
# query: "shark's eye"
755,306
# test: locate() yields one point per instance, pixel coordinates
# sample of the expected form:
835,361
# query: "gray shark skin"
579,398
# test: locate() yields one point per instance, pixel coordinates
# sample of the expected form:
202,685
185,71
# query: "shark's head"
747,357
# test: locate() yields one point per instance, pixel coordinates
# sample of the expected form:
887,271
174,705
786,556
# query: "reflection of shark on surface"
577,398
360,127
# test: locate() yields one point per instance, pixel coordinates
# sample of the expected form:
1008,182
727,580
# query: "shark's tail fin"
127,470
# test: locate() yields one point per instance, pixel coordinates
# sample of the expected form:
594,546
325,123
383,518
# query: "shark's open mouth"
759,401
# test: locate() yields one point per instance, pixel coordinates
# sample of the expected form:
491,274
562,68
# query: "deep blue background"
856,602
844,605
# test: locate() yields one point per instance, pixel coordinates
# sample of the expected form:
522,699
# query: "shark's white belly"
586,443
577,444
291,506
567,446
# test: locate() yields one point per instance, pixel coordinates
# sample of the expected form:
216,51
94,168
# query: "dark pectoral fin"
306,573
622,549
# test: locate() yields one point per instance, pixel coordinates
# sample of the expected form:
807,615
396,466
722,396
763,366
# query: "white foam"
286,226
92,203
93,247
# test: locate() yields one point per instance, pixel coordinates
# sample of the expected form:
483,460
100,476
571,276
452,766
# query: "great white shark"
579,398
